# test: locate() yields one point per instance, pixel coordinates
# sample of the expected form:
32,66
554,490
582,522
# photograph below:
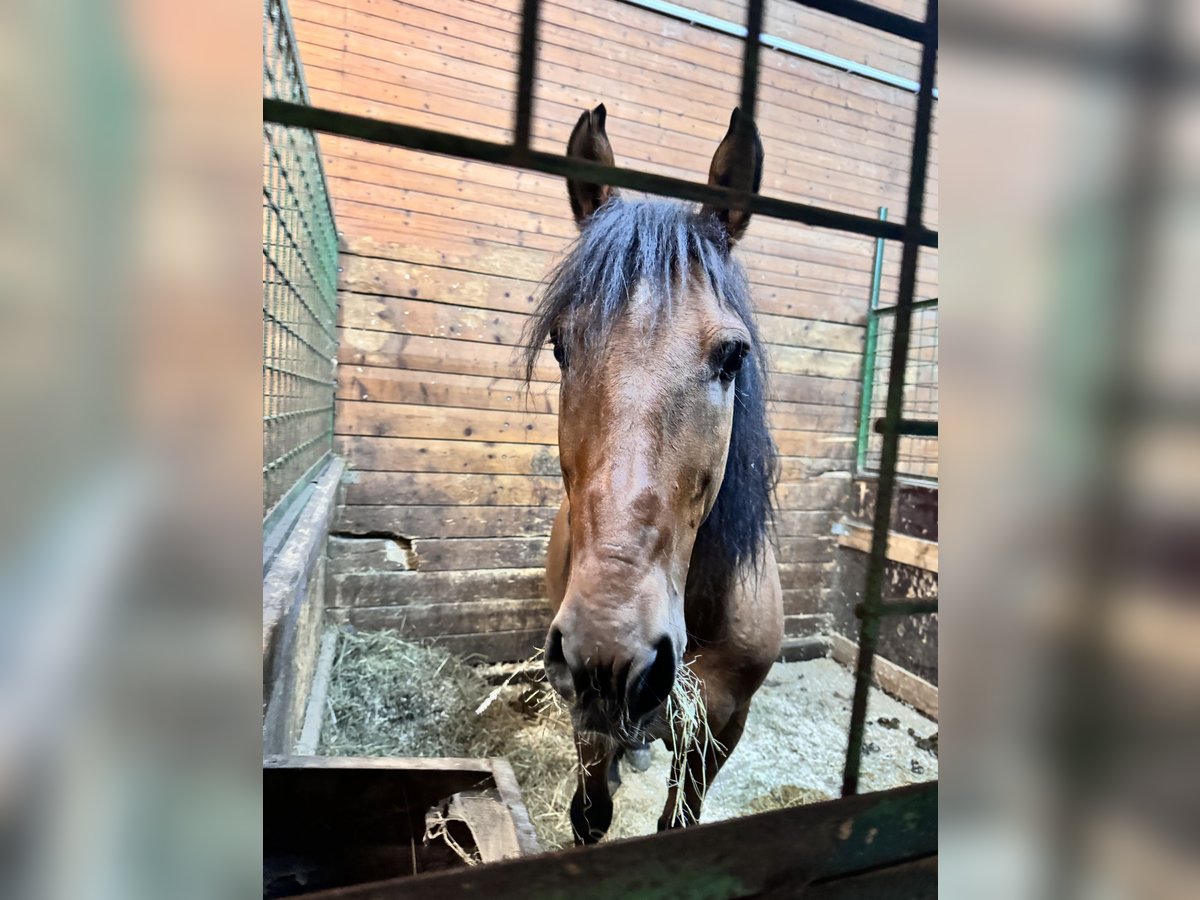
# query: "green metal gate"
299,280
917,454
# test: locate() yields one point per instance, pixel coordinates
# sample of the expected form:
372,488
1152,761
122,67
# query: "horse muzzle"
616,698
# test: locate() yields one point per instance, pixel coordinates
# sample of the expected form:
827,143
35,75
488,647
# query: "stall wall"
452,468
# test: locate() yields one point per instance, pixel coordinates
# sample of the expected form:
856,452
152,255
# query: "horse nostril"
652,687
555,658
558,673
554,648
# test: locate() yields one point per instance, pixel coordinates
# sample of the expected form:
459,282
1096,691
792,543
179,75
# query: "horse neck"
709,589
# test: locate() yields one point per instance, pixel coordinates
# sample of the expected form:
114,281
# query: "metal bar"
323,382
873,594
874,17
750,47
412,137
275,525
724,26
909,427
530,10
868,387
899,608
294,414
916,304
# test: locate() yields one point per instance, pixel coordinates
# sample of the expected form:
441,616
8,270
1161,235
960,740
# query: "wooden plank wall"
453,469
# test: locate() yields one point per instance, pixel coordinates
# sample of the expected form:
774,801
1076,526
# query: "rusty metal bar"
394,134
898,608
750,50
530,11
874,17
909,427
873,594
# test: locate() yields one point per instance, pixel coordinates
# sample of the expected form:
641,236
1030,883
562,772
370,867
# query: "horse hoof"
614,777
639,758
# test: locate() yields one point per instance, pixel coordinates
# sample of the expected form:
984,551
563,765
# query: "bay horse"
658,557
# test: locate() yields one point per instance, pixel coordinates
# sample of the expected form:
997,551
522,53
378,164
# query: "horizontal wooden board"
901,548
800,600
380,385
457,554
375,553
377,348
444,619
403,588
804,549
477,646
355,417
447,521
472,457
440,489
805,625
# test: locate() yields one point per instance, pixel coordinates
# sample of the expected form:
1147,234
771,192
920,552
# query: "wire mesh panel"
299,279
917,455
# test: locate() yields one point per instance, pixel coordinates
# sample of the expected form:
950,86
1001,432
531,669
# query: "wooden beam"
789,849
910,551
890,678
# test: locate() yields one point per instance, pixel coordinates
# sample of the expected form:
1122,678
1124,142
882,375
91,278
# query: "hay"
784,797
688,715
391,697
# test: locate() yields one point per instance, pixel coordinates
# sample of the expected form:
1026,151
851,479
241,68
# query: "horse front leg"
592,806
693,770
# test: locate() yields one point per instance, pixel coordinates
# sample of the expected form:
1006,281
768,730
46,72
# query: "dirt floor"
388,697
793,750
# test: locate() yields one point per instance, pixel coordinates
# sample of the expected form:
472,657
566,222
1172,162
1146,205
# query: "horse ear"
737,164
588,141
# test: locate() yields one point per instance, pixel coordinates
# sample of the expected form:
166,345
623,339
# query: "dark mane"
662,244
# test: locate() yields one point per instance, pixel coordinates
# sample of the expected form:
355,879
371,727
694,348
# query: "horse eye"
729,358
560,352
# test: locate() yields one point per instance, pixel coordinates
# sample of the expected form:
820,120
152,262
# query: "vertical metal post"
750,50
530,10
868,376
873,594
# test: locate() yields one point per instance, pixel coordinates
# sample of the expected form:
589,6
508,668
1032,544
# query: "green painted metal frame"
872,338
299,284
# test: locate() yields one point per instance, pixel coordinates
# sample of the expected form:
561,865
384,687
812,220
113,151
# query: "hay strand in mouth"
687,714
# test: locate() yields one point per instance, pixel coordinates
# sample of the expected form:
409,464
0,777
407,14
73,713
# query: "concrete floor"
795,735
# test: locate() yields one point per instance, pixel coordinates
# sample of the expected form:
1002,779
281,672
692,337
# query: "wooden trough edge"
890,678
495,767
823,848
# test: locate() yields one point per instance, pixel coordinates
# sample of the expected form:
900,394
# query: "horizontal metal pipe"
899,608
910,427
874,17
916,304
414,138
